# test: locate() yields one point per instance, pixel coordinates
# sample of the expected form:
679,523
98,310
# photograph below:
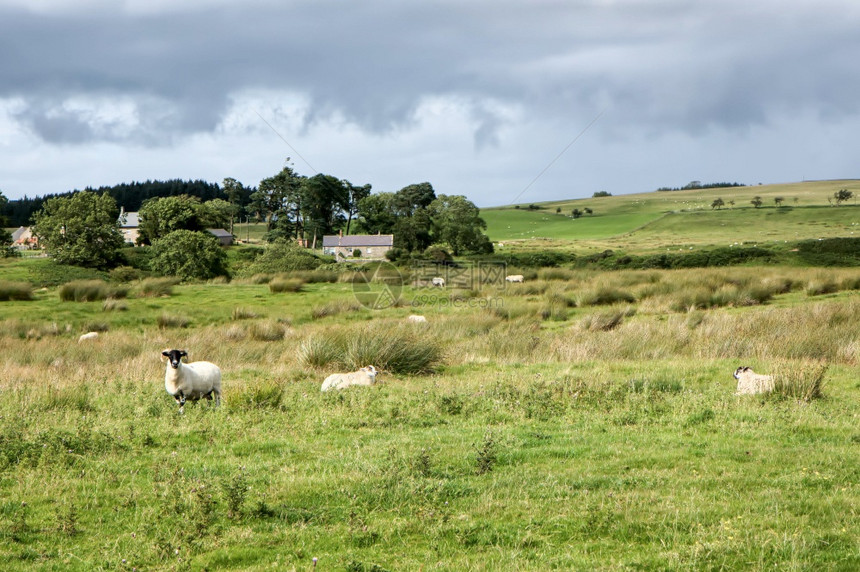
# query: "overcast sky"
502,101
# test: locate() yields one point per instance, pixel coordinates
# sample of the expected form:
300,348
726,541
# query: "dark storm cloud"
663,65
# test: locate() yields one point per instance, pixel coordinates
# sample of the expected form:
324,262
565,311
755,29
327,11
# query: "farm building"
365,246
23,238
128,225
222,235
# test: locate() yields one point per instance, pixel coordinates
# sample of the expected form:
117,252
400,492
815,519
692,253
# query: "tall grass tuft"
802,381
90,291
604,296
15,291
398,349
166,321
114,305
267,331
156,287
606,321
244,314
334,308
279,285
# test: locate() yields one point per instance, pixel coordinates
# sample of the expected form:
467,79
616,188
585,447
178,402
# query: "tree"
599,194
82,230
717,204
234,191
6,249
160,216
732,203
576,213
278,201
216,213
778,201
376,214
456,221
756,202
324,200
189,255
588,211
355,195
842,195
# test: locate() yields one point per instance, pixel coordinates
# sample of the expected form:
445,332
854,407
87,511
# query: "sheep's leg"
181,402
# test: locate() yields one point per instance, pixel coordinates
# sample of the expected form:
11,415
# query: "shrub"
189,255
90,290
283,256
15,291
125,274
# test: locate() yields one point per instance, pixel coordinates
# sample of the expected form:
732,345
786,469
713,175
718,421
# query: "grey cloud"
661,66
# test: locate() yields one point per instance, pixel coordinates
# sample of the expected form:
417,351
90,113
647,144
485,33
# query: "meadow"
582,420
649,222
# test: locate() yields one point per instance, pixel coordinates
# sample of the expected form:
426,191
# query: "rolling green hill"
658,220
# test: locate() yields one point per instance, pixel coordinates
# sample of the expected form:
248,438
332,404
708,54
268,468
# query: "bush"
15,291
189,255
804,381
90,291
283,256
267,331
125,274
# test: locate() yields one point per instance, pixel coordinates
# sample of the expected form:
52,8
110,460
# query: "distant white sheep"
514,278
438,281
364,376
190,381
750,382
415,319
88,336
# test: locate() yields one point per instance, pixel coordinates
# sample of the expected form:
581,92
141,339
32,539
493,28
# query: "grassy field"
579,421
649,221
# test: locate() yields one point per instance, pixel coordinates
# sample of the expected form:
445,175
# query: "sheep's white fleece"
750,382
364,376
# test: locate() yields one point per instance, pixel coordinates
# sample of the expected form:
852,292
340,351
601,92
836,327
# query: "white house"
358,246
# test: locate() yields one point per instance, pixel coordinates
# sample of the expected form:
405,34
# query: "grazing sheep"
415,319
88,336
750,382
364,376
514,278
438,281
190,381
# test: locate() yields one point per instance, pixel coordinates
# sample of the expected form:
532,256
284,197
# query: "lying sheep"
750,382
438,281
364,376
190,381
416,319
514,278
88,336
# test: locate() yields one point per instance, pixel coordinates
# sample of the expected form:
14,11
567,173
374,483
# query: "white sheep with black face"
190,381
364,376
751,383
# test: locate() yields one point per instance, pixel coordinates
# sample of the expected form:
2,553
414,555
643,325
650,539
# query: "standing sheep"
438,281
190,381
514,278
751,383
364,376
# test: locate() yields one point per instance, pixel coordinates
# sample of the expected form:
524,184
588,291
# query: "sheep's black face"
174,357
739,371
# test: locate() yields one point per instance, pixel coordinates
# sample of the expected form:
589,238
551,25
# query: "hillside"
646,222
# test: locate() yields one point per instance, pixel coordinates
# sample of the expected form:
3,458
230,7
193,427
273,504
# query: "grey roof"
131,220
220,232
354,240
17,234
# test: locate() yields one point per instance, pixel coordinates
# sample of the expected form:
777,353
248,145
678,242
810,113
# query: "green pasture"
650,221
582,420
